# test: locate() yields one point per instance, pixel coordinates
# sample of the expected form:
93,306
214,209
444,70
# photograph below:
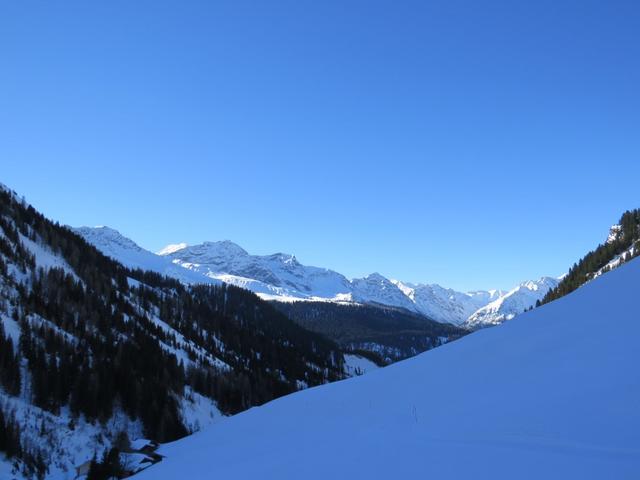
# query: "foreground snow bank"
552,394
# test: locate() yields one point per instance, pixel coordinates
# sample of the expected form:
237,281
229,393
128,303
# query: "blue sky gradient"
470,143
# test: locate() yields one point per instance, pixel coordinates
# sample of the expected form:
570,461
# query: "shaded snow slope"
547,395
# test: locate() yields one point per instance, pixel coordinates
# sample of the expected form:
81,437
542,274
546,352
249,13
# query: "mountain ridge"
281,277
622,244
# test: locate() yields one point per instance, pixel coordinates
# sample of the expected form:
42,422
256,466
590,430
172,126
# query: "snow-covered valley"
547,395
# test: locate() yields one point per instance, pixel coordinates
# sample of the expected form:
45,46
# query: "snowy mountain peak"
513,303
115,245
275,276
171,248
291,260
544,283
374,288
106,236
217,249
376,277
280,276
444,304
284,258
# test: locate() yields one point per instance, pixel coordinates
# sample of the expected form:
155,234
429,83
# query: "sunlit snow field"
551,394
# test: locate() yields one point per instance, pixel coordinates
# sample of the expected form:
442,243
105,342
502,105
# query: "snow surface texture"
281,277
355,365
547,395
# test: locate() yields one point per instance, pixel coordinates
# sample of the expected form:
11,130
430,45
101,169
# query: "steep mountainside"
547,395
390,333
623,244
376,289
91,351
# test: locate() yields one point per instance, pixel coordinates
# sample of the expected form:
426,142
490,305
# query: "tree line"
584,270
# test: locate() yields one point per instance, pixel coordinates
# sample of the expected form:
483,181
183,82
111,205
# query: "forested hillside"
86,343
622,245
391,334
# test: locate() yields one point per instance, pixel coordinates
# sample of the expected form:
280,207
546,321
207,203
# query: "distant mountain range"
280,277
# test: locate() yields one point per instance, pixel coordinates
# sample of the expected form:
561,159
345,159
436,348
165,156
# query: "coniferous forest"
625,243
95,337
390,334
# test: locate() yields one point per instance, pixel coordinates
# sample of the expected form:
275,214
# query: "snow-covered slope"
375,288
75,438
280,270
355,365
281,277
512,303
547,395
446,304
115,245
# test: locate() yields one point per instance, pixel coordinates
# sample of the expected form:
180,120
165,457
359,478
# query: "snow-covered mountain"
115,245
282,277
547,395
283,272
91,352
376,289
513,302
446,304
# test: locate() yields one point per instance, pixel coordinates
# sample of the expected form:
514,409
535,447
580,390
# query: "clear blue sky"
470,143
